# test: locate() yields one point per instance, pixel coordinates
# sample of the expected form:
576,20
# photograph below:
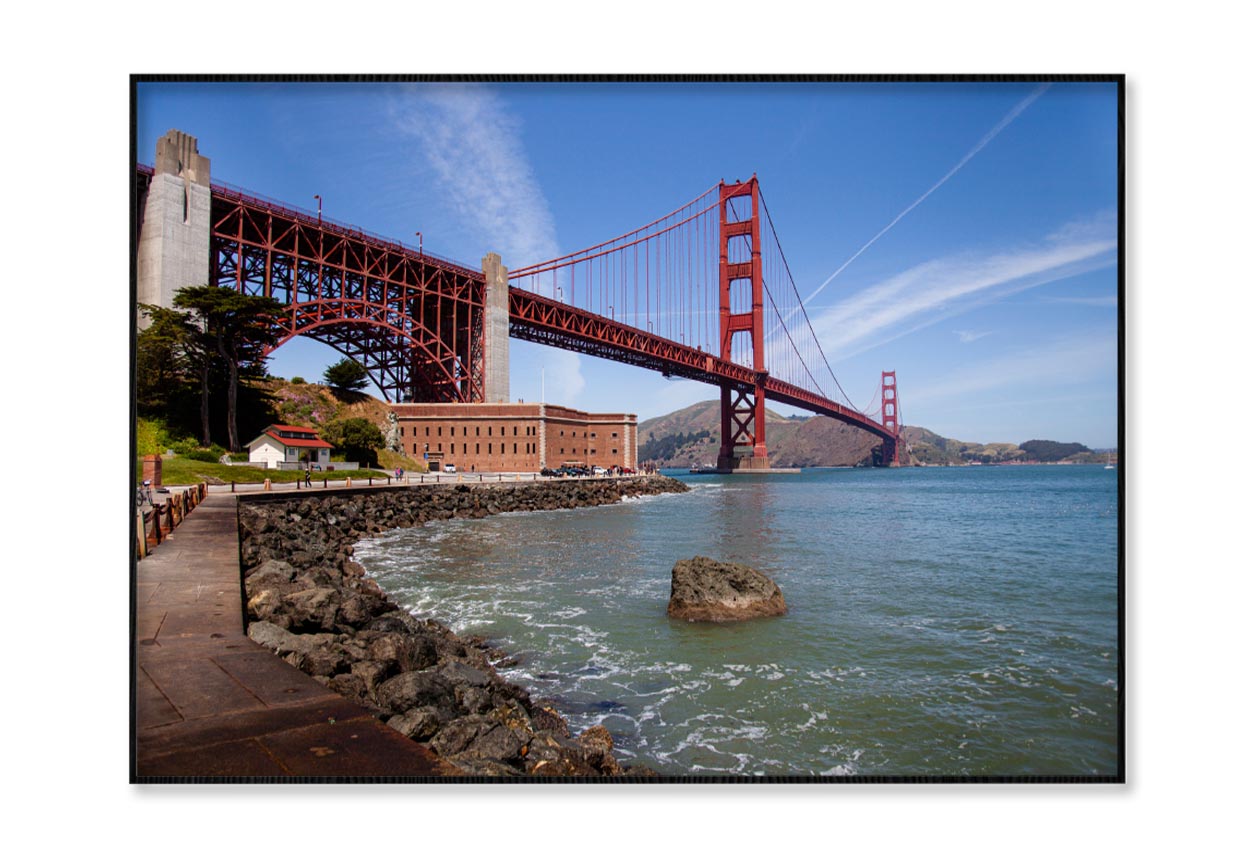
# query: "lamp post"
319,198
419,233
561,297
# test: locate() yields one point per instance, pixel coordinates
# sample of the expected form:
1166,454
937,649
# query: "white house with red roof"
285,446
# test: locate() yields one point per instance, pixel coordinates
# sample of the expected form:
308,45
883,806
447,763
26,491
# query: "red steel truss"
414,321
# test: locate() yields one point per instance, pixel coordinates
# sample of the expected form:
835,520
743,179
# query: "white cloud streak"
1061,362
472,146
967,337
979,146
1090,301
945,287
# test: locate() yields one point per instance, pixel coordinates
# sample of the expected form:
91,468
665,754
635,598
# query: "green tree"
346,375
235,329
162,359
356,437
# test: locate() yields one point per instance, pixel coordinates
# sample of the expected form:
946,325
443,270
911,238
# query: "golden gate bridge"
702,293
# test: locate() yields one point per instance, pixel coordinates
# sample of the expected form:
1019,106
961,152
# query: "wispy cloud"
1061,362
1092,301
979,146
967,337
948,286
473,147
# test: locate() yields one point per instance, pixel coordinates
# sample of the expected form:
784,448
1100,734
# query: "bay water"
941,621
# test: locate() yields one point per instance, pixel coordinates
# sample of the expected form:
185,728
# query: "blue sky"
961,234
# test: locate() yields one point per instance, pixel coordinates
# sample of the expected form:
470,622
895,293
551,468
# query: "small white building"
284,446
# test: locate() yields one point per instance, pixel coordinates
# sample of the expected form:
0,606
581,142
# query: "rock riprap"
311,603
705,590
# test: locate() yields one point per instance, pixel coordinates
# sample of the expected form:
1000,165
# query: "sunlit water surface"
940,621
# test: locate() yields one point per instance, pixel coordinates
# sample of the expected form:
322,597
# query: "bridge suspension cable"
664,279
776,269
661,278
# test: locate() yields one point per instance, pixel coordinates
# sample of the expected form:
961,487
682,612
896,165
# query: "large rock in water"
704,590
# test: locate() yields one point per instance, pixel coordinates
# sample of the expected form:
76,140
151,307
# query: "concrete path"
211,704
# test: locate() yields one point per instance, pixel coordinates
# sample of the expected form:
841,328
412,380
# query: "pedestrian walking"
308,479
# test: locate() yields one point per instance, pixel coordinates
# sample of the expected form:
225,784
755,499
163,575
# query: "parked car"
599,471
450,468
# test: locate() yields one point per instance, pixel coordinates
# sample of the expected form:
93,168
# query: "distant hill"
691,436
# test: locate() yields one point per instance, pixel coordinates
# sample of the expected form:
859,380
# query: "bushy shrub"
298,380
151,437
201,454
184,446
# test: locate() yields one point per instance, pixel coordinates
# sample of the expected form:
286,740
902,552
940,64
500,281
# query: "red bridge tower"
740,287
890,452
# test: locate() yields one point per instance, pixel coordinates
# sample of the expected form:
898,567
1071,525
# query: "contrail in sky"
987,137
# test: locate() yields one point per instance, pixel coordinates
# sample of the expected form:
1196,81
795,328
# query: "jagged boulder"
705,590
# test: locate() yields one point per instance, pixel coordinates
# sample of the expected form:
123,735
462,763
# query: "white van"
450,468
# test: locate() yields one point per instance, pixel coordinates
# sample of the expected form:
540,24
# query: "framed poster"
647,429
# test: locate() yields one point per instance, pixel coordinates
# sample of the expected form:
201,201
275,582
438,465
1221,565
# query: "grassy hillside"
301,404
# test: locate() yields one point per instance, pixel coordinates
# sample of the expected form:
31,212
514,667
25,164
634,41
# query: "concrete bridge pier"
495,330
174,235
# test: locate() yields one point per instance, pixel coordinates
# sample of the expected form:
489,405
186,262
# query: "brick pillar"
152,469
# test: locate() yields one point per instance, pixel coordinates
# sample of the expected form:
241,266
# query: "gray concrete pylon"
174,237
495,330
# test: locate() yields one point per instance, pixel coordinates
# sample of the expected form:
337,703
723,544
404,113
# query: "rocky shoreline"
309,601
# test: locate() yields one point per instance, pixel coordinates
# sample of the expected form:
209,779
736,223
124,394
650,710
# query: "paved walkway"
210,703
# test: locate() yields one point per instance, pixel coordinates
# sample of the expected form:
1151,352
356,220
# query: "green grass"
180,471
